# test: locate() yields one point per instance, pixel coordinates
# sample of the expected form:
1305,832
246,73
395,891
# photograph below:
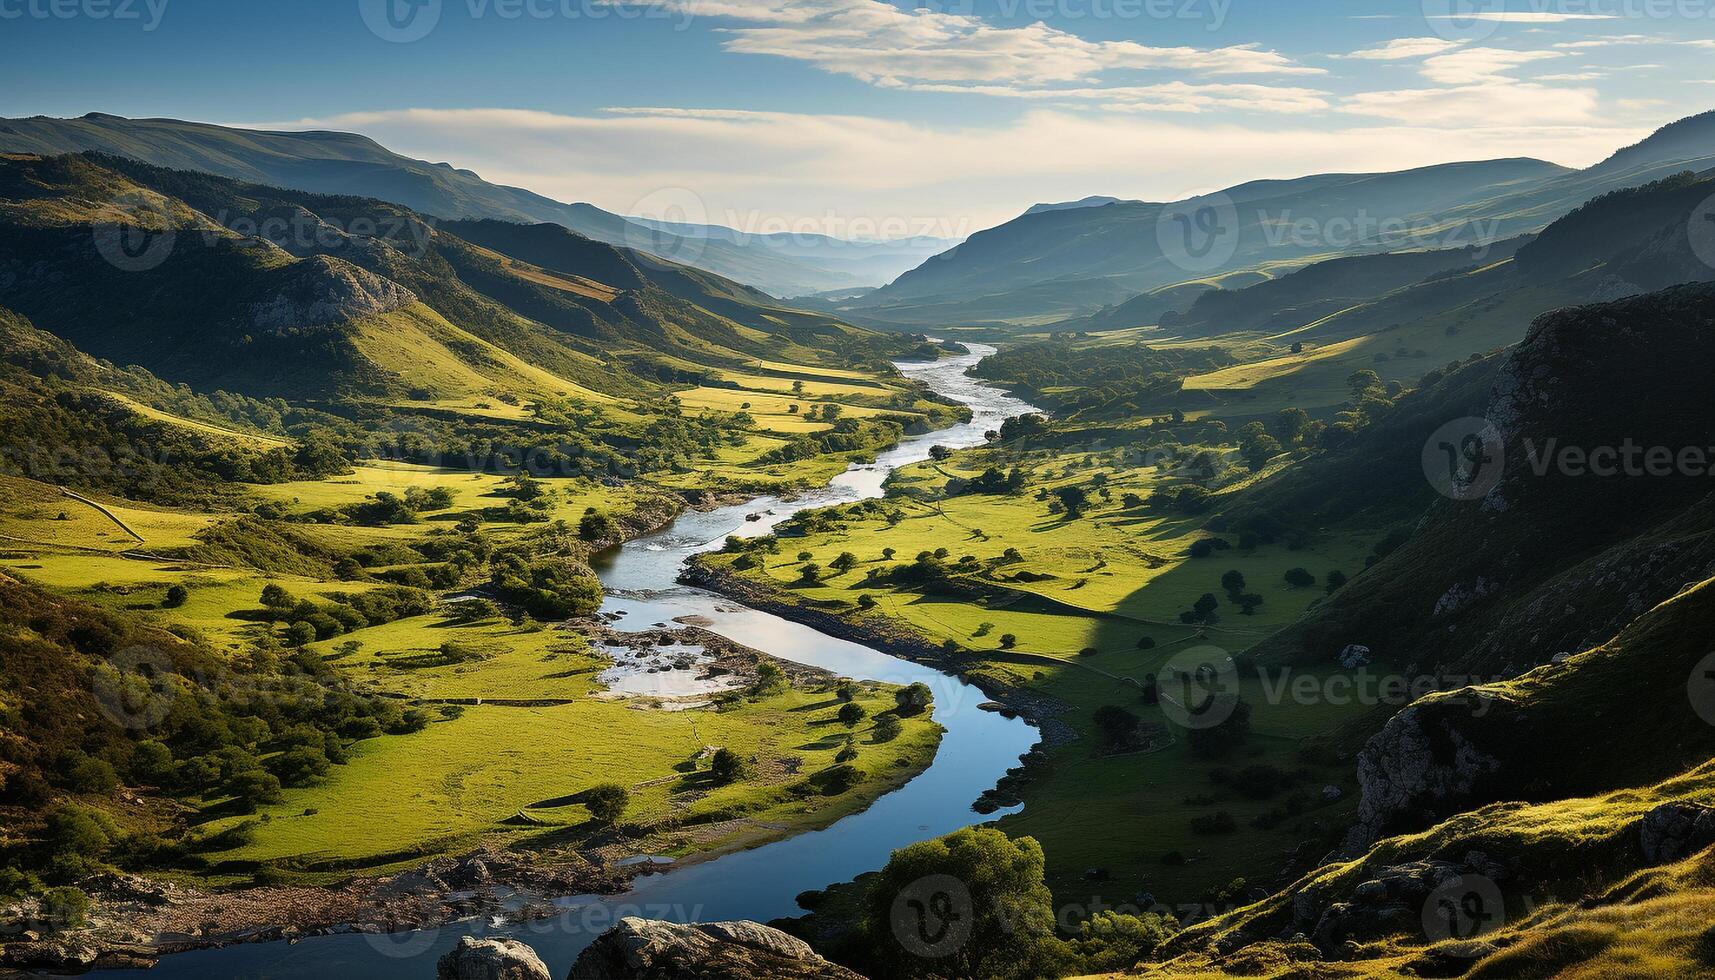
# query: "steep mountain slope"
1561,554
353,287
349,164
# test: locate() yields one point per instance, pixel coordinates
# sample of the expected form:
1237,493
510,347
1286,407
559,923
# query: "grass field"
1074,605
508,774
532,726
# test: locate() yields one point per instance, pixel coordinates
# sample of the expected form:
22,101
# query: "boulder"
491,959
646,949
1355,655
1675,831
1419,767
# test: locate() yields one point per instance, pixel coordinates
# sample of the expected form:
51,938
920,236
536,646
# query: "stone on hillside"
1674,831
646,949
491,959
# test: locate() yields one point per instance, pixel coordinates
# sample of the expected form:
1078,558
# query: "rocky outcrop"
491,959
320,291
1400,899
645,949
1419,767
1674,831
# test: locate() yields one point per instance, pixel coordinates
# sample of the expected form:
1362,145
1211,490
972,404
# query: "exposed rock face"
1399,899
645,949
491,959
320,291
1674,831
1420,766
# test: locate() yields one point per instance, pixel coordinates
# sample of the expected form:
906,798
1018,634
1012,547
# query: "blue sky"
858,116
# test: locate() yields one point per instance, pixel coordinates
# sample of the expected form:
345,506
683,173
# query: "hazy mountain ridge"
1082,250
347,163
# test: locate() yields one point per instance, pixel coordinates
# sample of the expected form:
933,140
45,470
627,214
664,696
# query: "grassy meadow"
519,725
1086,610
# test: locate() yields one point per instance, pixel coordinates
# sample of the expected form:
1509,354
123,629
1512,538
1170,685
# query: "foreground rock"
491,959
644,949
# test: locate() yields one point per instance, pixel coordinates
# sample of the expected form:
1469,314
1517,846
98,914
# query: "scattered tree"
607,802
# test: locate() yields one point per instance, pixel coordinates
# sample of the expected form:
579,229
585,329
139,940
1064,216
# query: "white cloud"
828,172
1491,104
1471,66
1181,97
880,43
1401,48
1522,17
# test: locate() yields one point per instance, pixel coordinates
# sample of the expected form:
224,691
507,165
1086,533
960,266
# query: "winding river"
762,883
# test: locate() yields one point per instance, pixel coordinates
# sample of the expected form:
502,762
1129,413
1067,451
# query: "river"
641,582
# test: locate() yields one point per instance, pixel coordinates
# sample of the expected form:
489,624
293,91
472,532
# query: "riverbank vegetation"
370,573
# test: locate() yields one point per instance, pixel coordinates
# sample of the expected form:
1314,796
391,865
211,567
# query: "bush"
64,908
837,779
1300,578
90,775
914,699
888,728
607,802
177,596
727,767
850,714
1011,933
1116,723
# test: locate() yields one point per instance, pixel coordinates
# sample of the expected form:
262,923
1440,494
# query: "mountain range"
346,163
1092,258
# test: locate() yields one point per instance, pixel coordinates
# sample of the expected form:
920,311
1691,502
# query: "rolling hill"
350,164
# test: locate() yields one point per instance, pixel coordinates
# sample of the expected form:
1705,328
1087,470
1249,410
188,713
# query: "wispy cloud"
879,43
1401,48
1521,17
812,168
1472,66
